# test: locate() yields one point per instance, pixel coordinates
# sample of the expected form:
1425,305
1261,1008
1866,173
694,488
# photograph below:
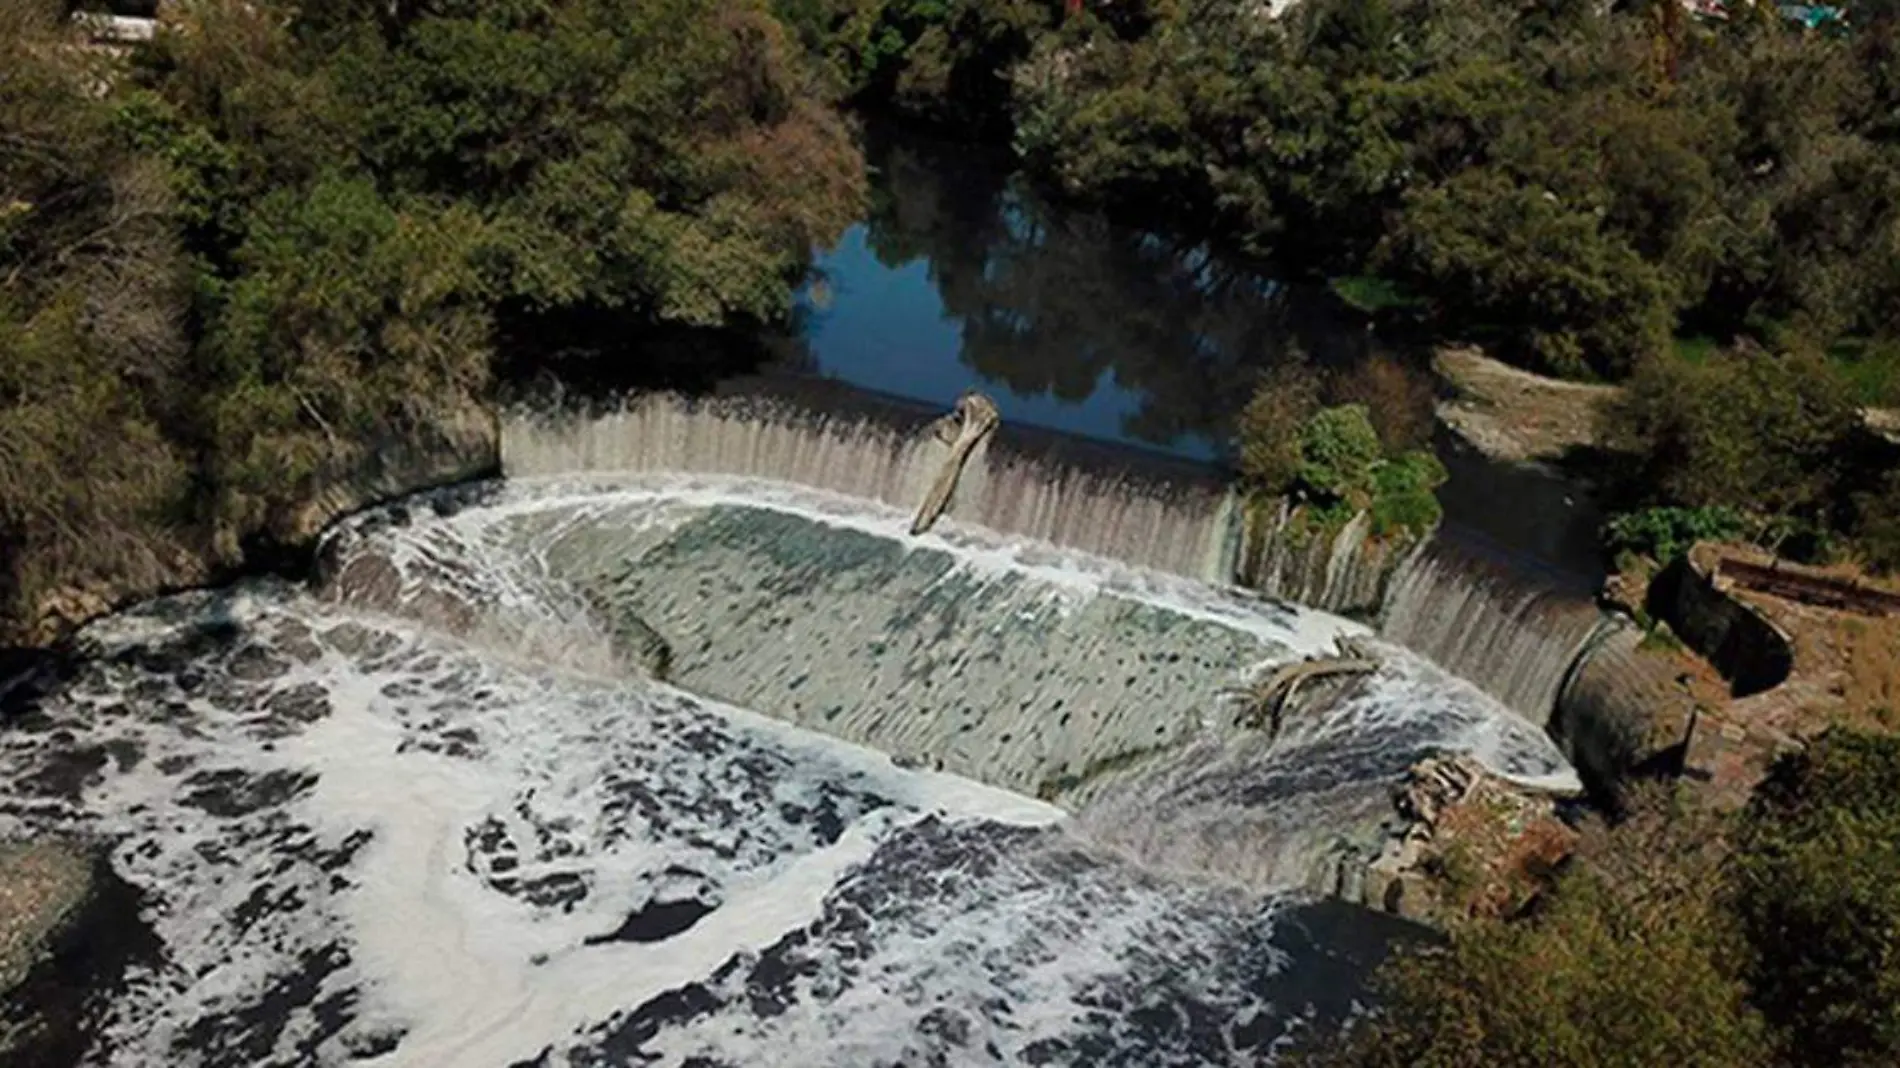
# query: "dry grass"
1870,670
1399,399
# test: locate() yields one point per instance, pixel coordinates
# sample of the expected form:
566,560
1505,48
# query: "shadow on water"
596,354
961,276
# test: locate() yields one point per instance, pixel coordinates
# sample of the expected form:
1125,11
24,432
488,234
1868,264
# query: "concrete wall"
1750,652
1623,713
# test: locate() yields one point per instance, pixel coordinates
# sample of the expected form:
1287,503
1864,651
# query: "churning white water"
429,814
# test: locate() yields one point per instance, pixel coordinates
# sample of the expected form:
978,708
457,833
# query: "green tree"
92,293
353,325
1498,252
1761,433
1818,893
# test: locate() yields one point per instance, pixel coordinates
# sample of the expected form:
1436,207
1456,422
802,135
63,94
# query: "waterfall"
435,790
1504,623
1346,572
1148,511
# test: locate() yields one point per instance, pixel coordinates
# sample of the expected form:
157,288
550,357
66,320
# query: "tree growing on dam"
1333,459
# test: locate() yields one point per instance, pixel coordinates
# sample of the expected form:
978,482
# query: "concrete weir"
1145,511
1107,689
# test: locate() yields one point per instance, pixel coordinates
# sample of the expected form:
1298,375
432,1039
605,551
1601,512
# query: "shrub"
1746,430
1334,457
1270,427
1818,894
1594,979
1665,533
1402,493
1631,959
1338,453
1877,525
1399,398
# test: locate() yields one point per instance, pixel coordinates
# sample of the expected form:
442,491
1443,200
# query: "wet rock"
69,928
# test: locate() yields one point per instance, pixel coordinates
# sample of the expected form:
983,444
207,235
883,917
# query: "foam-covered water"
428,816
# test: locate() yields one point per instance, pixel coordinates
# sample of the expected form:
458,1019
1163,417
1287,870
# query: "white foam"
462,777
657,502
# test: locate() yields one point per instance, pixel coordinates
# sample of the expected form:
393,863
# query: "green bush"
1746,430
1597,978
1333,458
1665,533
1402,493
1339,451
1818,893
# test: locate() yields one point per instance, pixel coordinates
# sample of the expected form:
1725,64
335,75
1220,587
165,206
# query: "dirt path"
1512,414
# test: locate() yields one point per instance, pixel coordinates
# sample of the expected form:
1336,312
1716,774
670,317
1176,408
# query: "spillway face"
1514,633
433,814
983,672
1163,516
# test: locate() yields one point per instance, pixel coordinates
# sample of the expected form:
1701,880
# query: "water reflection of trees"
1049,299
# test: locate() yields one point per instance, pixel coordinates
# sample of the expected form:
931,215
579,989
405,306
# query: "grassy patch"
1695,350
1871,369
1372,294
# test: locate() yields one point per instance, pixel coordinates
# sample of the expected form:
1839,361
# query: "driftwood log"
974,419
1267,699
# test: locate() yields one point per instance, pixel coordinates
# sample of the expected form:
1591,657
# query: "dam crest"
1512,628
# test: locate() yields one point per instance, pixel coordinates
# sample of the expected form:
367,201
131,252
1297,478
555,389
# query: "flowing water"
962,277
1168,517
427,813
1485,616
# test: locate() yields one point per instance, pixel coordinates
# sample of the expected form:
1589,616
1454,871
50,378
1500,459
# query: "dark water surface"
963,277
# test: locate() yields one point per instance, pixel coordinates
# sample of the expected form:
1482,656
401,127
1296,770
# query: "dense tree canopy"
1569,185
283,235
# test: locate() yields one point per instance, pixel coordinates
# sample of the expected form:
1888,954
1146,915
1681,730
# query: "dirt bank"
1511,414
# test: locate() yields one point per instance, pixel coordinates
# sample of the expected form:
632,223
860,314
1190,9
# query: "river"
977,796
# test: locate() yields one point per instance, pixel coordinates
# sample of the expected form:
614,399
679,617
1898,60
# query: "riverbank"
462,447
1514,415
1519,416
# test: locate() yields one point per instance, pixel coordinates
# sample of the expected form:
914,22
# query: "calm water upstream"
962,277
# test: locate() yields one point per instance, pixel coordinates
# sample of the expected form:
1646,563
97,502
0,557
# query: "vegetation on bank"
286,235
1751,447
1570,186
1343,445
1681,937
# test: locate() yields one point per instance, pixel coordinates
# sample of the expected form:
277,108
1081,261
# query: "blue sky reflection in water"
886,329
960,278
